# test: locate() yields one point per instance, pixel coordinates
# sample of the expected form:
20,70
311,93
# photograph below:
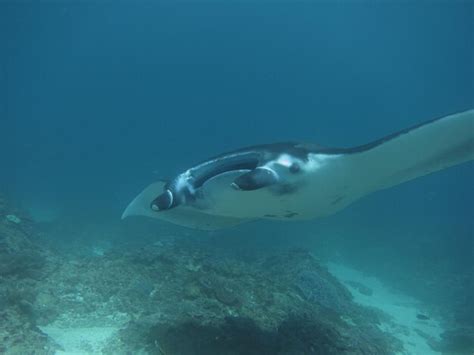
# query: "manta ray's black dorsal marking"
182,189
239,160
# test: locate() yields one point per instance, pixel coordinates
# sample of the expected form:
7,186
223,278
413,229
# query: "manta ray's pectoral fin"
256,179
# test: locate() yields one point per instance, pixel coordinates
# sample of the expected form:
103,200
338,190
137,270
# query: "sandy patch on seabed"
80,340
84,334
405,325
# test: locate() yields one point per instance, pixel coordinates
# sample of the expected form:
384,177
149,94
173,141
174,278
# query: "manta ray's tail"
415,152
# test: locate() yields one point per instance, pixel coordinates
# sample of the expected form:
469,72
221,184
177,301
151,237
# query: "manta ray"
300,181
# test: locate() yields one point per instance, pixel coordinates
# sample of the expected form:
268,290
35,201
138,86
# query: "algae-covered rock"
260,307
13,218
23,264
179,298
19,336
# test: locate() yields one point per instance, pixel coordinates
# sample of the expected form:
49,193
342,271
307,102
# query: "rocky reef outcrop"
23,266
175,297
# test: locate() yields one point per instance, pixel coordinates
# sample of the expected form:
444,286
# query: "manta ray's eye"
295,168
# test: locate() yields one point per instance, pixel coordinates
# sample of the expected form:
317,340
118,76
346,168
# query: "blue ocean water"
100,98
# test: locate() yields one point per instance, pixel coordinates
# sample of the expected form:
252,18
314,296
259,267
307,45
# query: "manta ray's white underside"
329,181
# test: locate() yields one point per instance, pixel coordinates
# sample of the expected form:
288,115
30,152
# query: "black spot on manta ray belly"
284,189
289,214
338,199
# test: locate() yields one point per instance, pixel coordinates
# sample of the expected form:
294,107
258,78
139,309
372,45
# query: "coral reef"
173,297
178,300
23,265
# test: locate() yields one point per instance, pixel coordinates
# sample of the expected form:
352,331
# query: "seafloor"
172,296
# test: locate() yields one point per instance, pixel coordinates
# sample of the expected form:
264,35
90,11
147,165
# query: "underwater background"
98,99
